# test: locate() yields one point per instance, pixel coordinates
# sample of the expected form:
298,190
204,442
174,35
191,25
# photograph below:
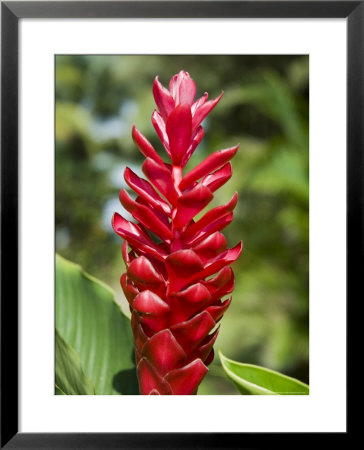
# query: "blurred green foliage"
265,108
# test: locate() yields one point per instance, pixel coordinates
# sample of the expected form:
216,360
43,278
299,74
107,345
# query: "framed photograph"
181,216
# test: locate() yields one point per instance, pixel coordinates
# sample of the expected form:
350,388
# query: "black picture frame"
11,13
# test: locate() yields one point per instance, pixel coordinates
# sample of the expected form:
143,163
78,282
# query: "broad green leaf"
90,320
58,391
255,380
70,378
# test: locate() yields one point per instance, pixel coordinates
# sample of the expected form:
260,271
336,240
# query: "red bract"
176,281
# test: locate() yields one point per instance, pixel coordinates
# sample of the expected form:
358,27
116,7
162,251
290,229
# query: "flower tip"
154,118
236,148
216,100
113,219
156,82
183,72
236,251
125,198
241,246
135,134
127,173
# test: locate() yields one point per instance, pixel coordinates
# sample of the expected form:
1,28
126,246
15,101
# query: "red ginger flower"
175,288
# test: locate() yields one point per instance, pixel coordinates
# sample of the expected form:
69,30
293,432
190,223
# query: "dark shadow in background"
126,381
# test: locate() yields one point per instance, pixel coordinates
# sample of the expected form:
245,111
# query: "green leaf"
90,321
255,380
70,378
58,391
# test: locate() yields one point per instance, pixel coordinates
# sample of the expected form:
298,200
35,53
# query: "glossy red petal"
217,311
161,178
153,324
202,111
197,137
173,87
122,226
179,132
188,302
142,271
217,179
210,217
229,255
144,215
129,290
205,348
140,338
148,303
220,285
219,280
181,265
160,127
185,381
146,191
223,259
207,344
152,311
125,253
145,146
191,333
164,218
199,102
163,351
217,225
197,293
226,289
210,247
163,98
136,237
219,262
157,263
150,381
208,165
190,204
182,88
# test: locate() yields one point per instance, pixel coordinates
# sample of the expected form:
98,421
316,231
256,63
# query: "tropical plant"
174,304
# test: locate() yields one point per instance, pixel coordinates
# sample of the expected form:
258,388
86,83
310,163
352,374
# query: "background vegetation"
265,108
